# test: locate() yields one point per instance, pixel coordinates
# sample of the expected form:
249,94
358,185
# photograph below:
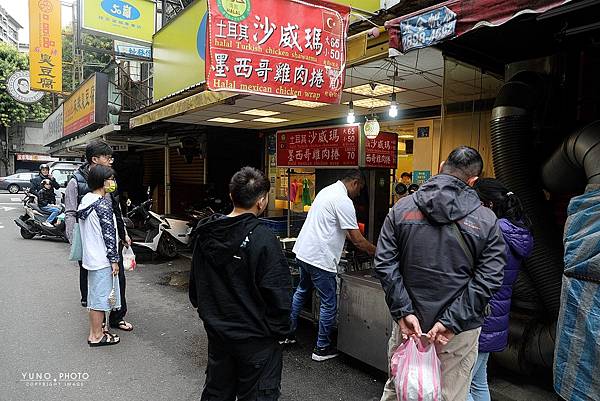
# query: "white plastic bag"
416,369
128,259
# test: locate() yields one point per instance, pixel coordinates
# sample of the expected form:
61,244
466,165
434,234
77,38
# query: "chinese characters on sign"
45,45
130,20
382,151
297,49
125,49
86,106
319,147
421,176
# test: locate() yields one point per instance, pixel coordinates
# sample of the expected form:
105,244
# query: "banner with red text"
382,151
287,48
336,146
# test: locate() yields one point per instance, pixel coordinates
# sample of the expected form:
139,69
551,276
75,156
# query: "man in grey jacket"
440,258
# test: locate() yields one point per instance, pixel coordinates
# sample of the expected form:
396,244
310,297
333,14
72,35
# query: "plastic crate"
278,225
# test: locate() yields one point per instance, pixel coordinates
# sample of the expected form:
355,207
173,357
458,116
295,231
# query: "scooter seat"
37,209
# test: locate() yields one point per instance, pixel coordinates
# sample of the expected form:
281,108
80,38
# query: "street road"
44,354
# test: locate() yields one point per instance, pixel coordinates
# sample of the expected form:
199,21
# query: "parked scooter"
160,234
31,221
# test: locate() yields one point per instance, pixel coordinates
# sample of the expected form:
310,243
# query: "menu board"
335,146
382,151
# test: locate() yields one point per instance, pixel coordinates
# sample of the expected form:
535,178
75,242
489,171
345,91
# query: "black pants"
251,371
117,315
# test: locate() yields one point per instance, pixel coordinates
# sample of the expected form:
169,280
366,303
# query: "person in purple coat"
514,226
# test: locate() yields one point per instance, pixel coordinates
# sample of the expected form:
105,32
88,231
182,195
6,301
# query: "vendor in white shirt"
318,249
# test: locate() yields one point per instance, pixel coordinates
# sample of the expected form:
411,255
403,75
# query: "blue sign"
201,37
427,29
121,9
128,49
421,176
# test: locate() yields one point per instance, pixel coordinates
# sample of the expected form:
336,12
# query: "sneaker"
289,340
49,225
325,353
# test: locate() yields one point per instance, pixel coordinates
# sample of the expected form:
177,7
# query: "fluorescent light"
371,103
259,112
406,136
367,90
224,120
270,120
304,103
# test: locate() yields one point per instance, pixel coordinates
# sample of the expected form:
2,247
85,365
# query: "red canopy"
453,18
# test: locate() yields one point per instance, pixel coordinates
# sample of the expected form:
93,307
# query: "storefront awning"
453,18
77,143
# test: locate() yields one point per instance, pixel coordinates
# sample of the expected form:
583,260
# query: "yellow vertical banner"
45,45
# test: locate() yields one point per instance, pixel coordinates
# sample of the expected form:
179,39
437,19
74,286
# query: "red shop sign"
382,151
335,146
288,48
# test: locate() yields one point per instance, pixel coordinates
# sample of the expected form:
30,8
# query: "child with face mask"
100,253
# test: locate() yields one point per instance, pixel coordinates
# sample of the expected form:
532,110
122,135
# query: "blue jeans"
479,384
326,285
54,212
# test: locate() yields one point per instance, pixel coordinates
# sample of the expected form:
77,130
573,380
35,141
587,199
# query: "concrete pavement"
44,354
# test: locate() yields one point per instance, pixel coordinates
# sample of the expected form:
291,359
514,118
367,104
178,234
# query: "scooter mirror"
128,203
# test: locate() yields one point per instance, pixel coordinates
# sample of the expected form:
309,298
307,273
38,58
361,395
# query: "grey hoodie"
440,256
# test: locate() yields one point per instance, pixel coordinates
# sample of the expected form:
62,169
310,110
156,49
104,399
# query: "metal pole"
167,176
75,40
289,215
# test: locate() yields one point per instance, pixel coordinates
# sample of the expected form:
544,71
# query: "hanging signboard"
19,88
130,20
296,49
87,105
335,146
45,45
382,152
30,157
53,126
179,51
123,49
452,18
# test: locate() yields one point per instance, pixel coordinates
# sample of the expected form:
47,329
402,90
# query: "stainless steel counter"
364,320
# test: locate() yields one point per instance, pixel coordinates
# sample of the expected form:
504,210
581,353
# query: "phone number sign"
294,49
336,146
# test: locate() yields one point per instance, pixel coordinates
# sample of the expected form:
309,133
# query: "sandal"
123,325
107,339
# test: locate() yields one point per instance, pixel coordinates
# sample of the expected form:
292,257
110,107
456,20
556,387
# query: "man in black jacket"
241,284
97,152
36,182
440,258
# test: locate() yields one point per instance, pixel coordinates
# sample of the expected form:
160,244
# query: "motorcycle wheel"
167,247
26,234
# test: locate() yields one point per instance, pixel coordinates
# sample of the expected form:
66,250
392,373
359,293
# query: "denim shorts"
100,284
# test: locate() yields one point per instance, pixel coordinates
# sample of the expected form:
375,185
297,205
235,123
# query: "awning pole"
167,176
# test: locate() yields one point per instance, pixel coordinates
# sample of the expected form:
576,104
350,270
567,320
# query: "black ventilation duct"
576,163
514,164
